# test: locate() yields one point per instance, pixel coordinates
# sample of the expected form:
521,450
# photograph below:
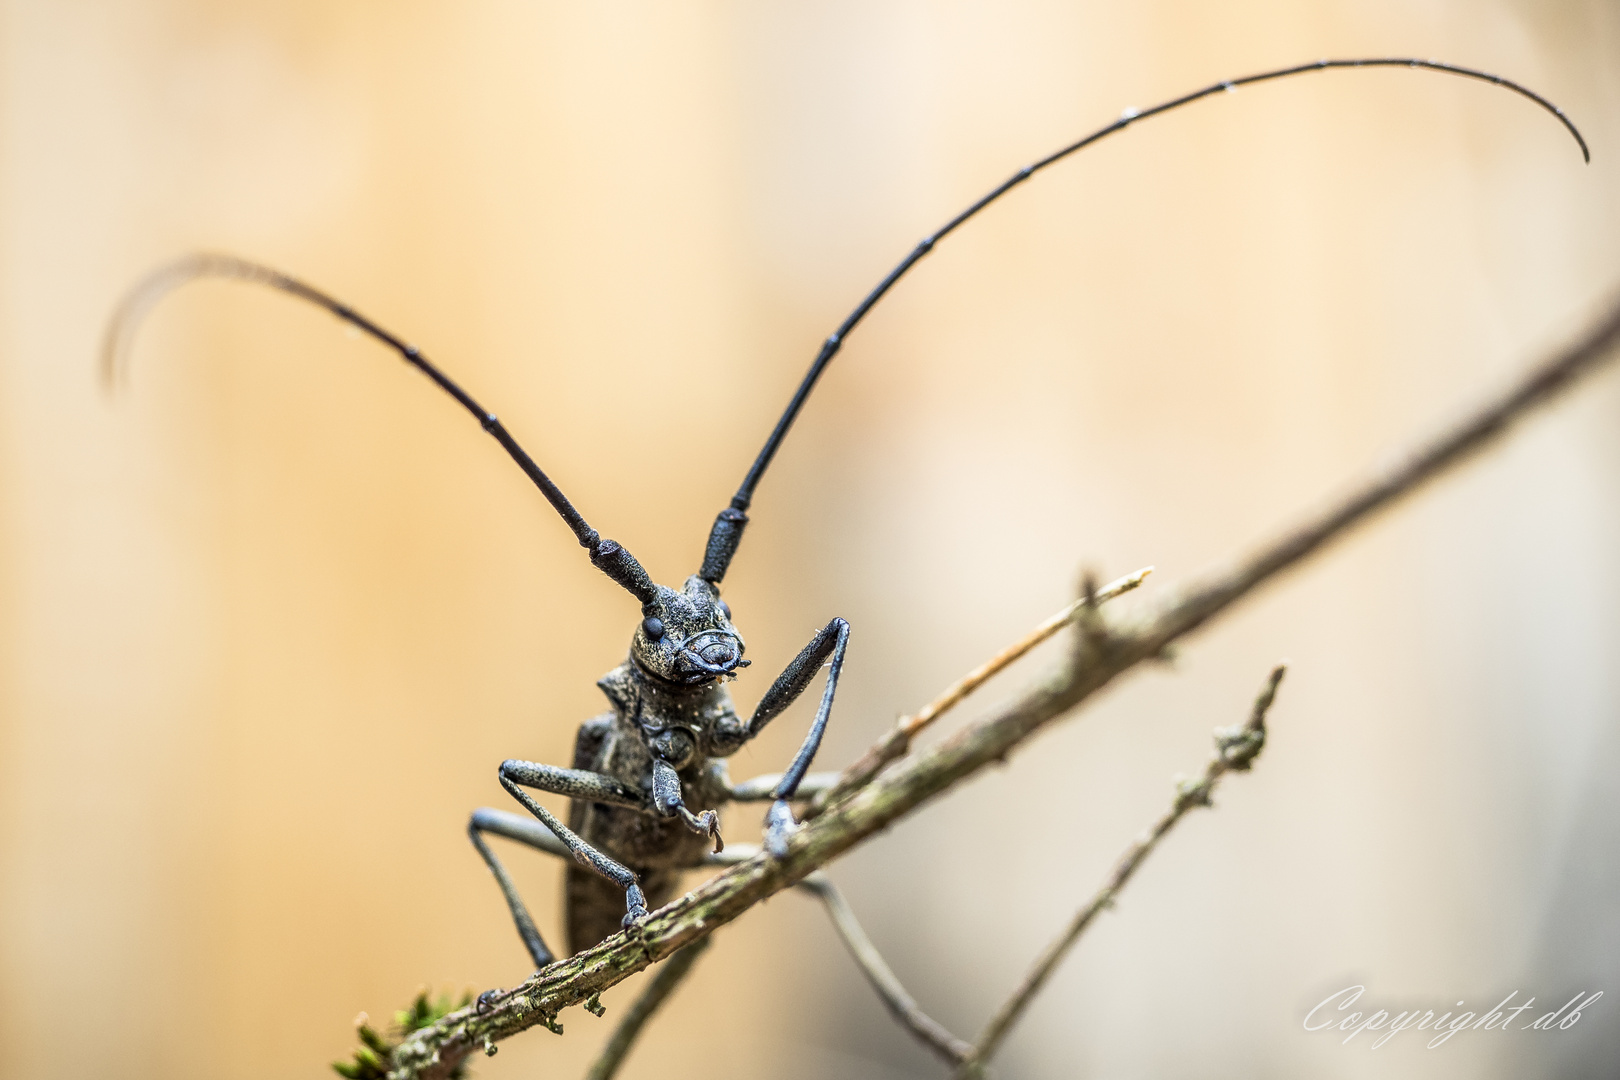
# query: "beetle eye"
653,627
725,609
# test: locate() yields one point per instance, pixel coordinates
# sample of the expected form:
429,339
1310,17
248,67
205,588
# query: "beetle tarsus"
705,824
635,906
779,826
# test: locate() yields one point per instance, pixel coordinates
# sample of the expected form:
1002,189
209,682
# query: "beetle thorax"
680,723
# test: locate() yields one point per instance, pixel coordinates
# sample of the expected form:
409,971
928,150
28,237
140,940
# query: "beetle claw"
707,824
712,820
635,907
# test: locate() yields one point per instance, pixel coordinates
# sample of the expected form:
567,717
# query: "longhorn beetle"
648,778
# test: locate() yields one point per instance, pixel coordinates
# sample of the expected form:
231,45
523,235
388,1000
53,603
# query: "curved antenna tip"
617,563
118,339
1129,117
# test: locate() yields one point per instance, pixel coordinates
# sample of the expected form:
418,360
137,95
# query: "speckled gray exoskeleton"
648,779
649,775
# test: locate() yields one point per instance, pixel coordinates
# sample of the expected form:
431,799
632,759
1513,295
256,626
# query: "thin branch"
662,985
970,682
901,1005
1100,656
897,743
1235,749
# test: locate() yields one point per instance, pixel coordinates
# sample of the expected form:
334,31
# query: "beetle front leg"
667,799
830,641
579,784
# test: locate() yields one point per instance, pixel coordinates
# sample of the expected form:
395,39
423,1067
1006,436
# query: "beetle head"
686,637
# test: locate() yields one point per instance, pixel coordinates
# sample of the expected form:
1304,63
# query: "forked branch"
1106,648
1235,750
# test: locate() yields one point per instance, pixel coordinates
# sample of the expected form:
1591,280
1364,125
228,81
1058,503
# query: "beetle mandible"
648,778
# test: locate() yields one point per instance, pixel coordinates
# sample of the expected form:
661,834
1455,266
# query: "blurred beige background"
273,615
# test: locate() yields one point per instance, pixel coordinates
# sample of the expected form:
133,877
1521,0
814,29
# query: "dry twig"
657,992
897,743
1235,749
901,1005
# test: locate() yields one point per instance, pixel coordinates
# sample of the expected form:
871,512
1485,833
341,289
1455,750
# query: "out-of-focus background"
274,613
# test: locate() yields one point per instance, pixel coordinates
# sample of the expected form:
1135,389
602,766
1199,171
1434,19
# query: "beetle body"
655,722
656,849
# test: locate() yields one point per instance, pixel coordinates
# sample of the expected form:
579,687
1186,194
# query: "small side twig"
901,1005
663,984
1235,749
897,743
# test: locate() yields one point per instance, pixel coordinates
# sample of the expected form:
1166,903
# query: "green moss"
370,1060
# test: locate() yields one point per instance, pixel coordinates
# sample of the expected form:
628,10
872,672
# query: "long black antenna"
606,555
728,526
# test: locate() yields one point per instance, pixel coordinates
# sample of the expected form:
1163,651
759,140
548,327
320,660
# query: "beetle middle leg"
762,787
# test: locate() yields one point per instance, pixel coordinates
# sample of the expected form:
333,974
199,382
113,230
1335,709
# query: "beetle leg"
520,912
760,788
524,831
578,783
667,798
830,642
575,783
